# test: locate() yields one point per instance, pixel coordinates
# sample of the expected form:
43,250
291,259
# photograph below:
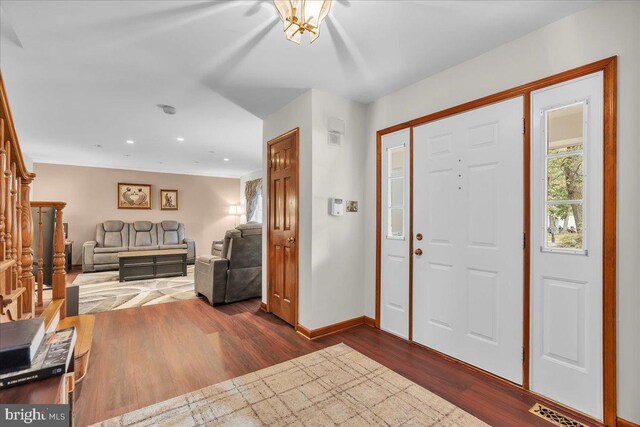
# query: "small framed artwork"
352,206
169,200
134,196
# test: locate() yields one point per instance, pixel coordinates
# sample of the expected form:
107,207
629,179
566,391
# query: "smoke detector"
167,109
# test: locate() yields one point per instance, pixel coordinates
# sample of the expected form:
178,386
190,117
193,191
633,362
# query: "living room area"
331,212
167,224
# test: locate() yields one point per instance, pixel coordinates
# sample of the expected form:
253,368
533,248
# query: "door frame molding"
296,133
609,68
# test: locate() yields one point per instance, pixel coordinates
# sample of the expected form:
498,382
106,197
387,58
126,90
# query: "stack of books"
29,354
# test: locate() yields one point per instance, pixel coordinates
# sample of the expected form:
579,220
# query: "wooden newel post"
59,280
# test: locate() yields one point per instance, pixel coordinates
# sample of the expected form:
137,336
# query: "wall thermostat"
336,206
335,129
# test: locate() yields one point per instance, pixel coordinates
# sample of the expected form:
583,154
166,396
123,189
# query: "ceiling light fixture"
129,141
225,159
180,139
299,16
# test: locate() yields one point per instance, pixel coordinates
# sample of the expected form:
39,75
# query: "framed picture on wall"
169,200
134,196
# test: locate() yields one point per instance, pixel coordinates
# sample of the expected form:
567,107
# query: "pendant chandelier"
299,16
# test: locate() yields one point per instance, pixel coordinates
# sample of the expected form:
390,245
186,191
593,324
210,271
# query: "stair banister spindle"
7,204
40,278
26,234
3,162
14,227
59,274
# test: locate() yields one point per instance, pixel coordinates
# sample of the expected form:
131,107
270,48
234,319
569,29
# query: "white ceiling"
86,73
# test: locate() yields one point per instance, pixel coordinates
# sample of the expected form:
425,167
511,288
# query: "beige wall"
90,194
330,282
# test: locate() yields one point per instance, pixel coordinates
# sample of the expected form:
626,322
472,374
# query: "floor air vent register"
554,417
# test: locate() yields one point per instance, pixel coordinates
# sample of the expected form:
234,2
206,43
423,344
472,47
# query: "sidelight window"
564,188
396,193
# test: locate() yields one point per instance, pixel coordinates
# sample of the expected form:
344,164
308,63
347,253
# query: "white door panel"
566,270
468,204
394,266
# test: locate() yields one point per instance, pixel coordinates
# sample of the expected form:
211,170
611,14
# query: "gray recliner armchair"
102,254
171,236
143,236
236,273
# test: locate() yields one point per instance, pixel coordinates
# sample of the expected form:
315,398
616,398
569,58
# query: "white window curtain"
252,191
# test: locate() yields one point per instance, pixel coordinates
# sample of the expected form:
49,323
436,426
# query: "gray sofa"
233,271
117,236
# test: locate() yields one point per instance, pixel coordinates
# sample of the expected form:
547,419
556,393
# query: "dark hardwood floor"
142,356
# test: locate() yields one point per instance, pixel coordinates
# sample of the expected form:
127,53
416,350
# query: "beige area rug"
334,386
102,291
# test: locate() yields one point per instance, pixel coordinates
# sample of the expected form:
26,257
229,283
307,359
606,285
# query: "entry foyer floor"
141,356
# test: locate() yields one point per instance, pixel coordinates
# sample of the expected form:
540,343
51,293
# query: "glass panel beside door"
395,192
564,129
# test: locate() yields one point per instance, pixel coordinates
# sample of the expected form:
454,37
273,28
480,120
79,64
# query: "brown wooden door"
282,245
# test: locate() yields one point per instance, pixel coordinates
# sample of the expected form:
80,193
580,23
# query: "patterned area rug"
334,386
101,291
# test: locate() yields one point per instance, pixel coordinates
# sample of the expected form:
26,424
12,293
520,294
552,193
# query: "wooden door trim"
296,133
608,67
624,423
526,253
411,234
379,222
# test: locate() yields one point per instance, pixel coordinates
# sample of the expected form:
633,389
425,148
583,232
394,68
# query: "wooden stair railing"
17,284
16,257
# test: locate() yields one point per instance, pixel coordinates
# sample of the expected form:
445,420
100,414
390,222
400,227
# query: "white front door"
394,266
468,206
566,251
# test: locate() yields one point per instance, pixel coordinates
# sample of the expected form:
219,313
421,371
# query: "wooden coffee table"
139,265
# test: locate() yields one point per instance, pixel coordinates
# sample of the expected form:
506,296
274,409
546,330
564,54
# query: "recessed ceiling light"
195,161
226,160
130,141
127,155
180,139
211,152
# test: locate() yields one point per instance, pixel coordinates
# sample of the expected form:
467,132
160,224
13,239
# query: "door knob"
291,239
418,252
419,236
